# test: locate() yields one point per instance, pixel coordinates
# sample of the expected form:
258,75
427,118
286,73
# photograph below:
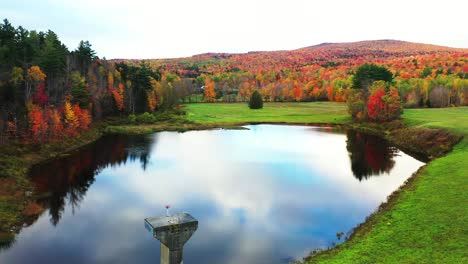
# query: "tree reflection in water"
69,178
369,155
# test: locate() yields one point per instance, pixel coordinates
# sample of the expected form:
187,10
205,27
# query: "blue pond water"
269,194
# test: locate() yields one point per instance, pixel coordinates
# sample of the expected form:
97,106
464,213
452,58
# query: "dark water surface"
265,195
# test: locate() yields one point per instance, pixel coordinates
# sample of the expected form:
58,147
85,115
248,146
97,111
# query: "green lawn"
318,112
428,220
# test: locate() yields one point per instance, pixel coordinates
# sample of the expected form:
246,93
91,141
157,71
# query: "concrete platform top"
154,224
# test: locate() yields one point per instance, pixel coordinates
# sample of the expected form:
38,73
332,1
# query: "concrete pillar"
173,232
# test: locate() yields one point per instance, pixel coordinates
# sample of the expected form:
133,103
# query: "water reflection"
69,178
369,155
265,195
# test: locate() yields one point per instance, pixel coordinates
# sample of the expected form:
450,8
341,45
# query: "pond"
269,194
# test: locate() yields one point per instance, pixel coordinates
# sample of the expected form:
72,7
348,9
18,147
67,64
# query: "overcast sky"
178,28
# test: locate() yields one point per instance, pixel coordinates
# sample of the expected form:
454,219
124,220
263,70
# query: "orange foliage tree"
118,95
82,116
152,100
85,119
209,92
37,124
55,123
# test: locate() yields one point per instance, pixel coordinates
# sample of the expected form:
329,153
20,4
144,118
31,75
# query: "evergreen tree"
79,91
85,55
367,74
426,72
256,101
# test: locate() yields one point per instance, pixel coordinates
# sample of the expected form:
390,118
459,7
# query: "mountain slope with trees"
45,88
425,75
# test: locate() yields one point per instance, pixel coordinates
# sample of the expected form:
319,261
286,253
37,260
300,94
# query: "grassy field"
318,112
426,222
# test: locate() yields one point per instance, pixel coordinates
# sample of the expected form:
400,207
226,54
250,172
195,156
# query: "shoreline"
101,128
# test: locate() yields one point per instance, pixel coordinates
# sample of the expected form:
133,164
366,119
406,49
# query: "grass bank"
425,221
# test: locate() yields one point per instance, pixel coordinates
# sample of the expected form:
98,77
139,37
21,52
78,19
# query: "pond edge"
393,132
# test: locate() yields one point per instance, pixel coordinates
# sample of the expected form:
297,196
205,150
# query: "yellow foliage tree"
110,81
17,75
33,78
154,95
71,121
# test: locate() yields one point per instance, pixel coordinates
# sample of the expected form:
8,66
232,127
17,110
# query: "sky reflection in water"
265,195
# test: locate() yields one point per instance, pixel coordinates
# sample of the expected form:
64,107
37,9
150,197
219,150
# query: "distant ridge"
382,47
389,45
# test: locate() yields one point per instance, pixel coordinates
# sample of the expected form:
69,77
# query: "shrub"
146,118
132,118
256,101
356,104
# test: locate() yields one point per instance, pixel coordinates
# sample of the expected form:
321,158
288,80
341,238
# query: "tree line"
48,92
424,75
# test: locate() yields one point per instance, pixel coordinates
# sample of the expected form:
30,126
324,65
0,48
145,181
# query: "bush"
146,118
132,118
256,101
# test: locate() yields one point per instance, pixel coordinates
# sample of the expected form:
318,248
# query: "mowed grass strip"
317,112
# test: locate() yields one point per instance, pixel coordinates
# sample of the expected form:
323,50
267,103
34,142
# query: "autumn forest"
47,89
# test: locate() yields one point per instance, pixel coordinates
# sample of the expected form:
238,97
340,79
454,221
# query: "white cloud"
161,29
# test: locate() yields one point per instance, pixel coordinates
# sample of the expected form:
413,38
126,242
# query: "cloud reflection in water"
264,195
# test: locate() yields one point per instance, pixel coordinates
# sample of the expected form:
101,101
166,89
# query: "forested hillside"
425,75
49,92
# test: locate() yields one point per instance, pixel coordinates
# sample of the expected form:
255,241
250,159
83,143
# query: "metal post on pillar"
173,231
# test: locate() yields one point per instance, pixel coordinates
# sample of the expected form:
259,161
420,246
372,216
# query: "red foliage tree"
375,104
40,97
297,92
383,106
